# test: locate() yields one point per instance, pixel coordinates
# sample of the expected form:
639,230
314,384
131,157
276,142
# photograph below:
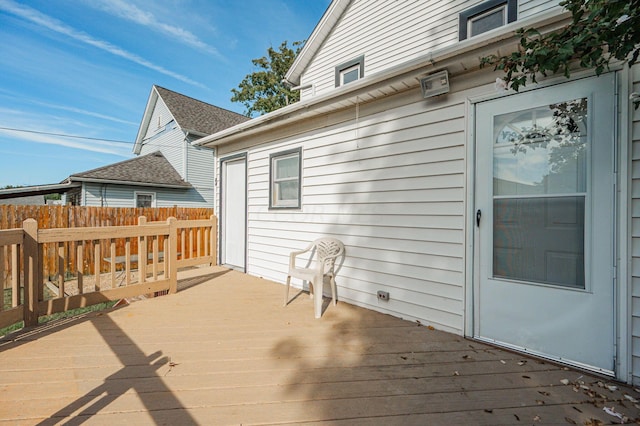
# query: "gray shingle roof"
194,115
150,169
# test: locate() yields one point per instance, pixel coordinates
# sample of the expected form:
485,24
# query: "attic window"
350,71
487,16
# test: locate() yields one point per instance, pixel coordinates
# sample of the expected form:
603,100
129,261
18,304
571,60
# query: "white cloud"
19,98
17,119
55,25
92,145
131,12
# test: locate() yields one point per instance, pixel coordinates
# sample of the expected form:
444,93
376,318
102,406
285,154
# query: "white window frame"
138,193
274,203
347,67
469,16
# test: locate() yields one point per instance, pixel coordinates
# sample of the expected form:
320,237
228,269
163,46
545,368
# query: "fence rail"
59,217
95,264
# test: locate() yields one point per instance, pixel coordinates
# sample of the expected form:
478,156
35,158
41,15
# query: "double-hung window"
284,182
487,16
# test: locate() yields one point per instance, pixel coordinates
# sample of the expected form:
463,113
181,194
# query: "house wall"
195,164
390,183
387,35
167,137
635,230
123,196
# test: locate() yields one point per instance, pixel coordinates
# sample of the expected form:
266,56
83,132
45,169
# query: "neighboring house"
168,170
31,200
170,124
145,181
511,218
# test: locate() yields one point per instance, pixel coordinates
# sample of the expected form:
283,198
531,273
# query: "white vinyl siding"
387,35
527,8
200,166
124,196
635,231
392,189
168,139
201,163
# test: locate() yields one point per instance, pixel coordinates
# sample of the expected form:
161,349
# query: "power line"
65,135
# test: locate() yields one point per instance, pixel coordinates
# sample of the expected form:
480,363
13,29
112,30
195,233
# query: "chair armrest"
293,254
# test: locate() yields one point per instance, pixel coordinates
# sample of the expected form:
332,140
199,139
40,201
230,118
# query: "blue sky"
86,67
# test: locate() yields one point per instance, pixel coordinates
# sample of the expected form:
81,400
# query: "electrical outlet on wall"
383,295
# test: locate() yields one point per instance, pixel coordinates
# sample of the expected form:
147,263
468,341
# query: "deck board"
224,351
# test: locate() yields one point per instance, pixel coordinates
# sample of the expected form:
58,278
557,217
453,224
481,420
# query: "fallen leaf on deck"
486,410
612,412
564,381
537,419
612,388
570,420
455,373
503,361
522,362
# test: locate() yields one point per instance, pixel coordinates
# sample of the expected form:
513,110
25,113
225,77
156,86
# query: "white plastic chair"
327,250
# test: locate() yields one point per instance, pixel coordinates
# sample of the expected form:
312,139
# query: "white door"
234,202
544,222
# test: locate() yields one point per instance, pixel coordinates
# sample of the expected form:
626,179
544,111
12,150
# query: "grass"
48,318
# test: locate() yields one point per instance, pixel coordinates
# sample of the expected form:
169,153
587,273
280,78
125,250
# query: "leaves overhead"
601,31
263,91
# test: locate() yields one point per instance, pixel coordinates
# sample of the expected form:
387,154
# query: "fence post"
142,253
32,272
172,256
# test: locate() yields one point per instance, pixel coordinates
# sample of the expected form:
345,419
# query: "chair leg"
286,291
317,302
333,289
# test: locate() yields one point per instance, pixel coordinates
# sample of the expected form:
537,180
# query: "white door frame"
623,296
221,219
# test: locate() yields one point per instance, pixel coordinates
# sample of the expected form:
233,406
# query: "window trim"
340,69
272,160
135,198
465,16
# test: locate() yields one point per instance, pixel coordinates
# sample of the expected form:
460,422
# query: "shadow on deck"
224,351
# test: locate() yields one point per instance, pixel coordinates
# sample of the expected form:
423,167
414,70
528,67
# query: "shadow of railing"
137,367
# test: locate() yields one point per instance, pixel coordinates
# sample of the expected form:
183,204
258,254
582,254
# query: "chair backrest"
327,251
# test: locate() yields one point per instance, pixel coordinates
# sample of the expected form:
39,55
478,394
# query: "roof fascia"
37,190
316,39
132,183
154,96
435,58
146,118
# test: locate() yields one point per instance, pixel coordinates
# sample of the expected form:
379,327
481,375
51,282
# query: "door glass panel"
539,240
539,193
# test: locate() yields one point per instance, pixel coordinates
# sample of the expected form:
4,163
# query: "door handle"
478,216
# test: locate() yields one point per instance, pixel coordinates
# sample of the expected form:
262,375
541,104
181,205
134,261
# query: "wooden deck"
223,350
